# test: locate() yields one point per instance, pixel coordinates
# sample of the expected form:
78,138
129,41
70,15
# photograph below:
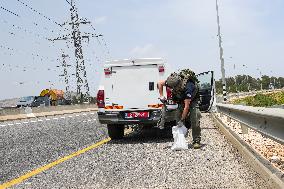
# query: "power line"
105,44
44,16
68,2
28,20
34,55
25,30
39,13
10,11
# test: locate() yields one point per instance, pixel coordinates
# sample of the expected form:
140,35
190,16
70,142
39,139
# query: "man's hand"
163,99
161,84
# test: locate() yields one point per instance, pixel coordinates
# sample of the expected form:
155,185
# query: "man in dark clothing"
185,94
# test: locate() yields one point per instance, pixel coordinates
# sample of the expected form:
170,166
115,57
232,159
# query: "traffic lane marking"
50,165
48,119
90,112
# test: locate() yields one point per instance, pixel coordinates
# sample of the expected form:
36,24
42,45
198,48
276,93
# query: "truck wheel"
115,131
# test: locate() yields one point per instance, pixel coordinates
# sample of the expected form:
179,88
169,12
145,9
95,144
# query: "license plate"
137,115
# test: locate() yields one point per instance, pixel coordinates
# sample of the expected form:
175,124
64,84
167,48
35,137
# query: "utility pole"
260,78
221,55
65,73
77,37
247,78
81,74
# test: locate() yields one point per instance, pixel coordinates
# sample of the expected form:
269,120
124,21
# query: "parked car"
33,101
128,94
25,101
41,101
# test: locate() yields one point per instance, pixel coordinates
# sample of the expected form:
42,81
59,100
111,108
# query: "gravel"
145,160
267,148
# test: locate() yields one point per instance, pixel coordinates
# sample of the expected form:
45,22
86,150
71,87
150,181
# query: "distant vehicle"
25,101
56,96
128,94
41,101
33,101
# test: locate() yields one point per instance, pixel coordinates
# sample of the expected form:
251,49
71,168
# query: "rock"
275,159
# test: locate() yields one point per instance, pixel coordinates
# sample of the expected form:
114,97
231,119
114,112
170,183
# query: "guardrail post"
29,112
244,128
229,119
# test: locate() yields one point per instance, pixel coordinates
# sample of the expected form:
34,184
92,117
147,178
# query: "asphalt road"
28,144
141,160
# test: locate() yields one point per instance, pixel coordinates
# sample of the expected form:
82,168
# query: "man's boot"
196,145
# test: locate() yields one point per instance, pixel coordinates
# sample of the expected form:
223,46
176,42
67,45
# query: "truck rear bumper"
116,117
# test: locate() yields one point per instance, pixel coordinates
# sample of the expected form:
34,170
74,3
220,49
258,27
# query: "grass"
262,100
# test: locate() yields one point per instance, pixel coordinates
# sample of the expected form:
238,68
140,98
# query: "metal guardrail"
267,121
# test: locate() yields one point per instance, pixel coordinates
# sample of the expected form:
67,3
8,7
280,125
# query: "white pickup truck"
128,94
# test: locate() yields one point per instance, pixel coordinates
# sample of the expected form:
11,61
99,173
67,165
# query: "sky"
183,32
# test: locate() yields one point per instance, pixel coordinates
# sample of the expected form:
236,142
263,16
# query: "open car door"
206,90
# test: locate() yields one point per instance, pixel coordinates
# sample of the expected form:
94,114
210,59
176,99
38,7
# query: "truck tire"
115,131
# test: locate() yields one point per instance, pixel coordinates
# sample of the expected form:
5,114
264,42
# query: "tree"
244,83
265,80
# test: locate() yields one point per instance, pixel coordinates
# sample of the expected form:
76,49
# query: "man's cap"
173,80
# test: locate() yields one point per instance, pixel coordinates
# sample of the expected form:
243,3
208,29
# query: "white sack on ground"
179,139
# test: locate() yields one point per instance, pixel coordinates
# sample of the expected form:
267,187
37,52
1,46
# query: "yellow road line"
50,165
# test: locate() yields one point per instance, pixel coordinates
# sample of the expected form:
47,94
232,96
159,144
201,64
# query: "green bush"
262,100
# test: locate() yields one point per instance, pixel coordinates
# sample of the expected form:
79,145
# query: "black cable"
25,30
105,44
68,3
39,13
34,23
34,55
10,11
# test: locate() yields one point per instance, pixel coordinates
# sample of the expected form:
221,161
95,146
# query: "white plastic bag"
179,139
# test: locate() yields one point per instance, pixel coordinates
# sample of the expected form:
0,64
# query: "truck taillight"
107,71
169,93
101,99
161,68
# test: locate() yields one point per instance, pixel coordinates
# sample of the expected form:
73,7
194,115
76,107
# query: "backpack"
185,76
